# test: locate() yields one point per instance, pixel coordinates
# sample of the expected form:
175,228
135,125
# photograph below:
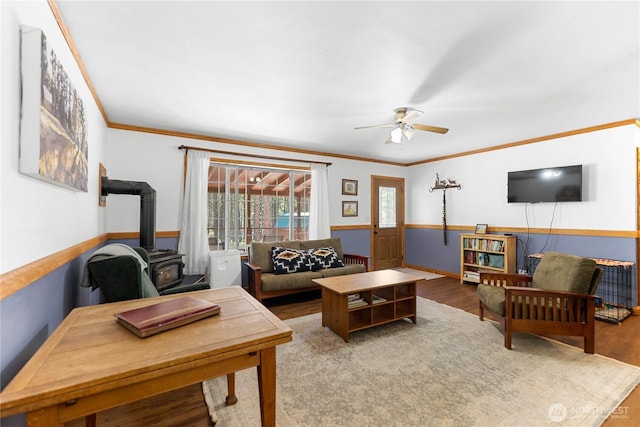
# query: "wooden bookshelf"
489,252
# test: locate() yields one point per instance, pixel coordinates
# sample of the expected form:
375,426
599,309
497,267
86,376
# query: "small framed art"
481,228
102,173
349,187
349,208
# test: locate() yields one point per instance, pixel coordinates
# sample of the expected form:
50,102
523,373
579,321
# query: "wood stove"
166,268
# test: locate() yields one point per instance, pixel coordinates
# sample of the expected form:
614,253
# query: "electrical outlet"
522,271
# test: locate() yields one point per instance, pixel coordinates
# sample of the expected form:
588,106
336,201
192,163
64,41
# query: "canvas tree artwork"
53,129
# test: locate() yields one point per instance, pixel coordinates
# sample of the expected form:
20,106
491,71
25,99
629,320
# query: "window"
248,204
387,207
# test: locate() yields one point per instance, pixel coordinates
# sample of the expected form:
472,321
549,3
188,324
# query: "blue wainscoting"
356,241
425,248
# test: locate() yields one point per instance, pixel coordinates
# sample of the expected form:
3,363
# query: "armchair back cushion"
565,272
121,278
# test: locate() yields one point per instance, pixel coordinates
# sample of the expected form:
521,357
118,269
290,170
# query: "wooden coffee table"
377,297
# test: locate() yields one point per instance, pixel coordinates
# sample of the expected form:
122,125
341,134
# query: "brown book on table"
156,318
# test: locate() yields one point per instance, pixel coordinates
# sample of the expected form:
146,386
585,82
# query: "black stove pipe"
147,206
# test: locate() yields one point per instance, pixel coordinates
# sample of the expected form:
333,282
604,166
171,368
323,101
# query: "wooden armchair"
558,300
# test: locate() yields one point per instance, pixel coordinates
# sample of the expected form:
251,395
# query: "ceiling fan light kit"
403,128
397,136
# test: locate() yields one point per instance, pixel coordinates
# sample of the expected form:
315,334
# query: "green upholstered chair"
121,277
559,299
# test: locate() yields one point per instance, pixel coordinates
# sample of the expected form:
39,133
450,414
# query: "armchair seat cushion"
492,297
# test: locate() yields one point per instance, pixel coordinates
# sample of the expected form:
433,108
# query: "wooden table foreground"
91,363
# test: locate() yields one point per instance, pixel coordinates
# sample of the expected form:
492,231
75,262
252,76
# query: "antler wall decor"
444,185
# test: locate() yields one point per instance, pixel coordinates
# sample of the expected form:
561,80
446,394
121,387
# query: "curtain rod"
287,159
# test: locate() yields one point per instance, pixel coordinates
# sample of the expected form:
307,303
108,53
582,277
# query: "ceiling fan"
403,128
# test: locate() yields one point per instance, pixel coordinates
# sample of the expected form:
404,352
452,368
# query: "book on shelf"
155,318
356,300
483,244
471,275
376,299
357,303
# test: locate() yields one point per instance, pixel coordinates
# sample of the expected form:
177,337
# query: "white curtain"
319,220
194,241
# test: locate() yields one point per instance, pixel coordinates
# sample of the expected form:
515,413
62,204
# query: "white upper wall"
609,185
609,190
38,219
156,159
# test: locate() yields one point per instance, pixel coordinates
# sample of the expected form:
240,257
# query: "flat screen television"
556,184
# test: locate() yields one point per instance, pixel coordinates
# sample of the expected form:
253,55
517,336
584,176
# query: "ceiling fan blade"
405,114
375,126
428,128
409,132
411,115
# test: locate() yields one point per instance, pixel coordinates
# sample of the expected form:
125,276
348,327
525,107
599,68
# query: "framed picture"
53,127
102,173
349,208
350,187
481,228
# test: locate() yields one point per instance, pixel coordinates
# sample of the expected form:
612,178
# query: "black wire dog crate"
614,303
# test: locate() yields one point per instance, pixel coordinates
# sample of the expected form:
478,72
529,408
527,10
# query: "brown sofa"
263,281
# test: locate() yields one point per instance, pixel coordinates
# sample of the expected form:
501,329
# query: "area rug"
423,274
450,369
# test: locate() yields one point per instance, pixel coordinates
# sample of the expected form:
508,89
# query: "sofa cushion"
287,261
492,296
563,272
260,253
341,271
325,258
324,243
280,282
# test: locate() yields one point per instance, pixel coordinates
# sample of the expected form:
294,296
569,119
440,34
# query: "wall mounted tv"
556,184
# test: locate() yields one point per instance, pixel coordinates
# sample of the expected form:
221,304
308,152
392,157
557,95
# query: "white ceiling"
304,74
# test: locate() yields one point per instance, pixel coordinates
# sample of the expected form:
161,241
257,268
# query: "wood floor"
186,407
